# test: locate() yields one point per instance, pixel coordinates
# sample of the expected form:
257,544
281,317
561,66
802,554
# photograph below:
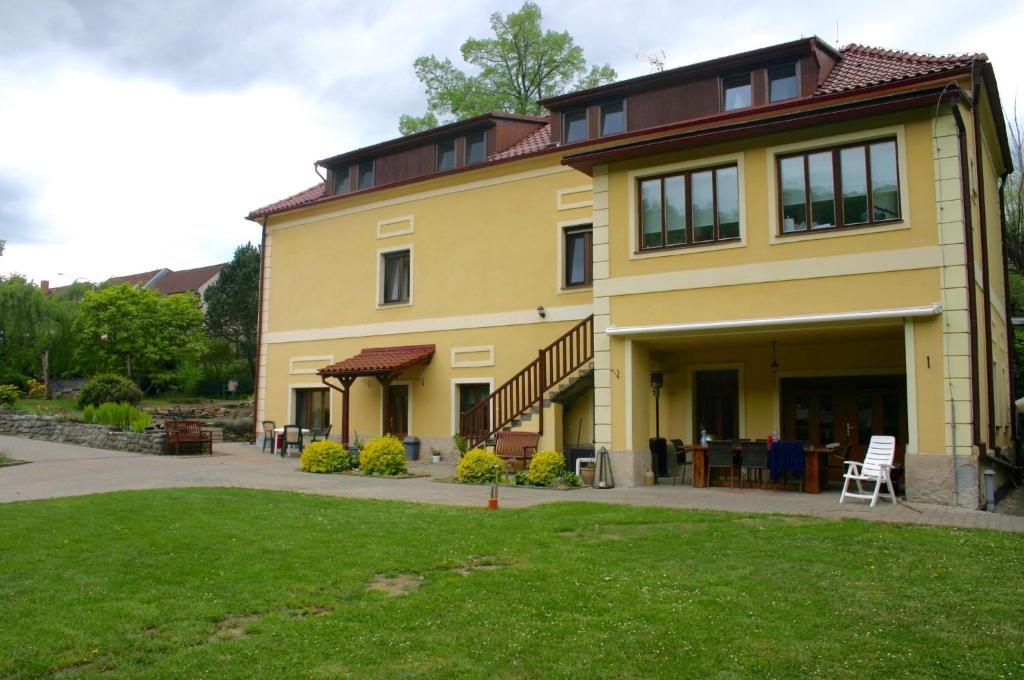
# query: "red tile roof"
863,66
378,360
133,279
860,67
186,280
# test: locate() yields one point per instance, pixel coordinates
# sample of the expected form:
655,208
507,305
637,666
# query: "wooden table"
814,466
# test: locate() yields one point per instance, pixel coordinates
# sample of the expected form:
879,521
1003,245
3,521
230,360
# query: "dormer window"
342,183
613,118
782,83
737,92
446,155
574,126
365,174
476,148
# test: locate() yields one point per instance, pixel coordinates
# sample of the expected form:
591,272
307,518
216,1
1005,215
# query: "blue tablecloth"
786,458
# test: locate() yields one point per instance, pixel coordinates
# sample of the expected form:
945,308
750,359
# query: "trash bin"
412,447
659,456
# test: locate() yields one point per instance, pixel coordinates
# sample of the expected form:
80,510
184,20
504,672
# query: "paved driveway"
57,470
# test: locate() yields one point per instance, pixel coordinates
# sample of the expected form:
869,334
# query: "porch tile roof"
380,361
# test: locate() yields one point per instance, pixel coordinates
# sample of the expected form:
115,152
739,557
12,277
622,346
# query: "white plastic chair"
877,468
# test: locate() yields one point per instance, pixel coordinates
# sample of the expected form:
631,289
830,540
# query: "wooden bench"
516,446
186,432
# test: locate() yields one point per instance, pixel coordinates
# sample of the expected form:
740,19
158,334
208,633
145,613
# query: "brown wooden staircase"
527,389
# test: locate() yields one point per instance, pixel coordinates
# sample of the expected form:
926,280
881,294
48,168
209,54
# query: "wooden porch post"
385,382
346,384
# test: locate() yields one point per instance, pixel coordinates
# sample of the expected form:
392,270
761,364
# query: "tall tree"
232,303
519,65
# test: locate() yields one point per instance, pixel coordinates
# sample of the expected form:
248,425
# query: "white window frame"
864,136
381,252
454,404
634,176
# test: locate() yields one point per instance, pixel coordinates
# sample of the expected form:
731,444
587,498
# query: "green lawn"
225,583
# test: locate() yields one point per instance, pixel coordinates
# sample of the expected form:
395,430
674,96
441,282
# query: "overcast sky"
136,135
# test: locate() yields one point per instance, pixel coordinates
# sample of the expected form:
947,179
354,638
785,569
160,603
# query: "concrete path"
57,470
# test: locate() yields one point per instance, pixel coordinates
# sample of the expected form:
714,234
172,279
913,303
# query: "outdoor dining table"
279,439
814,466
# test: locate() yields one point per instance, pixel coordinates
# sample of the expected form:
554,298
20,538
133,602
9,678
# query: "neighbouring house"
795,239
166,281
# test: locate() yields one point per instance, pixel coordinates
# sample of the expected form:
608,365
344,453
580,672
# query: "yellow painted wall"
474,251
578,421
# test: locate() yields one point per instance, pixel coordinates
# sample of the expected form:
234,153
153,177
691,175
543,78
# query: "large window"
578,256
476,148
446,155
840,187
574,126
613,118
365,174
737,92
782,83
395,275
689,208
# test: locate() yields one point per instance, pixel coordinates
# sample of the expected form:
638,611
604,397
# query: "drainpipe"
972,303
986,286
1009,321
259,336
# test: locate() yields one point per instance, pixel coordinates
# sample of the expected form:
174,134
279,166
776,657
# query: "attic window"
365,174
574,126
476,148
446,155
782,83
737,92
613,118
342,185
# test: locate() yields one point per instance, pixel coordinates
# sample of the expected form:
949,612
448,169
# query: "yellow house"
796,241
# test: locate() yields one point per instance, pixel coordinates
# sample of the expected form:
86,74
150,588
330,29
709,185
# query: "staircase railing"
528,387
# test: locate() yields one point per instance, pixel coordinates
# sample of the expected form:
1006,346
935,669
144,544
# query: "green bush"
35,389
382,456
108,387
11,377
545,468
123,416
8,395
479,466
324,456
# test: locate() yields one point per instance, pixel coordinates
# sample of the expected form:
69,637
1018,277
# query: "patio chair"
681,462
754,457
320,434
720,456
291,440
269,436
877,468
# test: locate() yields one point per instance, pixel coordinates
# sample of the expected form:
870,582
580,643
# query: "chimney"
44,286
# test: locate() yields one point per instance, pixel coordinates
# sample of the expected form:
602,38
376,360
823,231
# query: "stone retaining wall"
97,436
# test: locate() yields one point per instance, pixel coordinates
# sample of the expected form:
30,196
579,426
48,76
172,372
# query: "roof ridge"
906,55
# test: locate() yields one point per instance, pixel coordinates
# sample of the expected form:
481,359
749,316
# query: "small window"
737,92
396,277
613,118
575,126
578,256
446,155
696,207
840,187
476,148
366,174
782,83
342,184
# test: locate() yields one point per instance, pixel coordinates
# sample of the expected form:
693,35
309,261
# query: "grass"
230,583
